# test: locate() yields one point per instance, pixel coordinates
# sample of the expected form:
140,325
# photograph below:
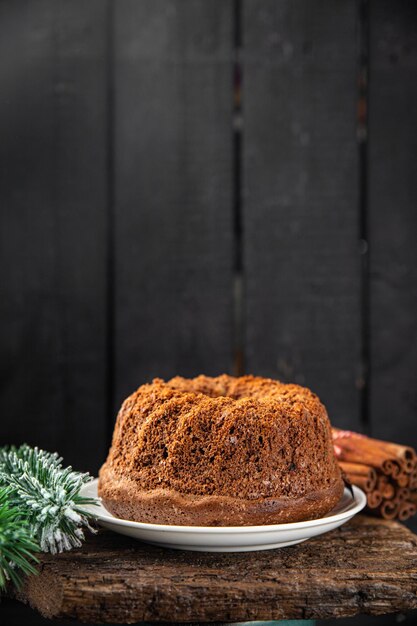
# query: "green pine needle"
47,495
16,544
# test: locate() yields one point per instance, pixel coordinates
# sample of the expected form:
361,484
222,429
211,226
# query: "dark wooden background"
193,186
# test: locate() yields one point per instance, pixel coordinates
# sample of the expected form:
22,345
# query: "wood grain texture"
300,198
366,566
393,219
52,226
173,231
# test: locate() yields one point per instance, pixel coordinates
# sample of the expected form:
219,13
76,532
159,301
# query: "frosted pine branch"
48,496
17,547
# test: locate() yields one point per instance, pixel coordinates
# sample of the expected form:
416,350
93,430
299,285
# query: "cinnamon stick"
407,509
359,451
391,467
386,471
386,488
359,481
362,450
402,494
413,480
374,499
403,479
390,450
389,509
359,474
408,465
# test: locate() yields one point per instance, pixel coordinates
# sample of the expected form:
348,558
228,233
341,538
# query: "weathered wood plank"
366,566
173,232
52,226
300,201
393,219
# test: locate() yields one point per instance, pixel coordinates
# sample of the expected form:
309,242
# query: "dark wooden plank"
393,219
300,203
53,225
114,578
173,72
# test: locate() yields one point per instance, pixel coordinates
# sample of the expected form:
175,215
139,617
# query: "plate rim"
356,505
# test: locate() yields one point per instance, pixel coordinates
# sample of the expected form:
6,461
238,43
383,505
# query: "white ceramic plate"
229,538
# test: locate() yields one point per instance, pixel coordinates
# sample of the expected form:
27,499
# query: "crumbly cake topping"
246,437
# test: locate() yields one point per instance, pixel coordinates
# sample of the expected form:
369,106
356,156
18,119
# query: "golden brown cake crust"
221,451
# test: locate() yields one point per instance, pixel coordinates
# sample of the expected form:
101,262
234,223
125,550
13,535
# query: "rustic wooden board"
300,198
393,219
366,566
173,196
52,226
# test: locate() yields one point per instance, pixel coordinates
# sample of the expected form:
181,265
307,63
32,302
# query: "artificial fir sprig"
16,543
47,495
31,455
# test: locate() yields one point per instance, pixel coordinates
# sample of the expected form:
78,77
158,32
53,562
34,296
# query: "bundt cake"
221,451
